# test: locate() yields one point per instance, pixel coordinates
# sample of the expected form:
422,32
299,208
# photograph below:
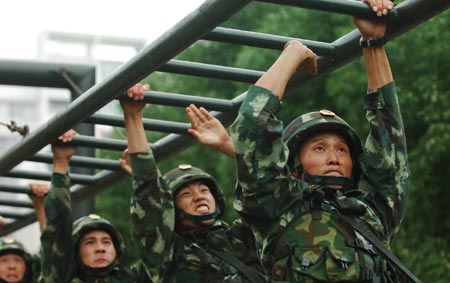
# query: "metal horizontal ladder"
202,24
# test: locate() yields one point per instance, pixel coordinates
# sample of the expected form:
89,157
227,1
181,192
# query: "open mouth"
333,173
12,277
203,208
101,261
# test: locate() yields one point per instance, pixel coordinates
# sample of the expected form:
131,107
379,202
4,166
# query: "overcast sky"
21,21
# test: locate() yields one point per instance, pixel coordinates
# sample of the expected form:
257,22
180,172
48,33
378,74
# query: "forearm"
377,67
256,134
60,165
385,160
56,238
278,75
152,214
227,148
40,213
137,140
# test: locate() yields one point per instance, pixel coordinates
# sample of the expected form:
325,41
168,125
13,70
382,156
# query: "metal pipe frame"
211,71
263,40
201,24
345,7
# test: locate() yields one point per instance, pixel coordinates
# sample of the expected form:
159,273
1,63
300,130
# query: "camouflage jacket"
58,259
298,240
186,256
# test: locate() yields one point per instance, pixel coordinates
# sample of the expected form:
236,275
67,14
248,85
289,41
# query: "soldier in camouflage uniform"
176,218
16,264
297,187
90,249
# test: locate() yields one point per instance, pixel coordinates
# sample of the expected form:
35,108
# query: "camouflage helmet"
319,121
95,222
186,173
8,246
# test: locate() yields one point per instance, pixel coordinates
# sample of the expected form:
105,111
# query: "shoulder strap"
366,232
249,273
178,256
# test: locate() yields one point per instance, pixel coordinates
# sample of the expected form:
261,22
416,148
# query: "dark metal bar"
17,203
103,180
86,206
209,15
46,176
263,40
22,221
211,71
40,74
346,7
81,161
409,15
9,214
183,100
412,13
15,189
111,144
149,124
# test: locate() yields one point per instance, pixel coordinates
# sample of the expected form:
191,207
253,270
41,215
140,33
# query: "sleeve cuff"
142,162
268,99
60,180
377,100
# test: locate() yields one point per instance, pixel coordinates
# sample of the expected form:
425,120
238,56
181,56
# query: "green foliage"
420,63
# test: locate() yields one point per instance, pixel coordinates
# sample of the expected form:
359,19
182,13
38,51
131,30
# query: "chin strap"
200,220
327,180
96,272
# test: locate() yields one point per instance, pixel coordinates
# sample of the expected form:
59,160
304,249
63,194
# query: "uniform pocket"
330,264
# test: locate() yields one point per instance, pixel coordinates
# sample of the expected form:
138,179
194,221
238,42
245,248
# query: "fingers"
125,166
68,136
309,65
205,114
197,116
194,133
39,189
137,91
312,70
125,155
192,117
380,7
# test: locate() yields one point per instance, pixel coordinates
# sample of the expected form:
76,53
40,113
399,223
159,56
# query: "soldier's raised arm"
56,238
39,192
209,131
150,206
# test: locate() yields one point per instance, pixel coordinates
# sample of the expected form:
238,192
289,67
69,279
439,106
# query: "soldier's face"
12,267
97,249
195,198
326,154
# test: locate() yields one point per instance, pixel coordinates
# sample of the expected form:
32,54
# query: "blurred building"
33,106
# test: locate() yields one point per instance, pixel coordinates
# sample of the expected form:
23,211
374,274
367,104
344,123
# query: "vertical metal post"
86,206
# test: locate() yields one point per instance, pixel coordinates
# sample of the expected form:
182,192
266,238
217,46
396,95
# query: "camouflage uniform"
9,245
300,238
60,259
171,255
